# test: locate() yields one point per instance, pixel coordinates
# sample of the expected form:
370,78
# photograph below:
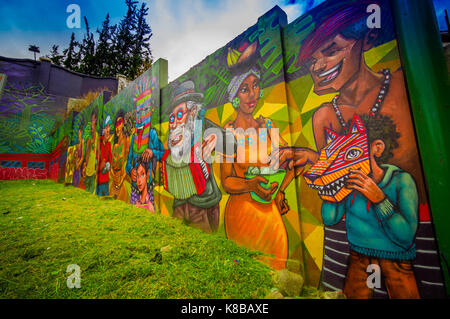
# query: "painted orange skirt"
257,226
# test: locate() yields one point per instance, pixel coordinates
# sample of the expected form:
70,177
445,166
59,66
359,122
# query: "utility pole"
34,49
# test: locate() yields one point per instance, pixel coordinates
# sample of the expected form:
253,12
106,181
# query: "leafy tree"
55,56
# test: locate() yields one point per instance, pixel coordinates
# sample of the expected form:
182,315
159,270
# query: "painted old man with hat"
186,171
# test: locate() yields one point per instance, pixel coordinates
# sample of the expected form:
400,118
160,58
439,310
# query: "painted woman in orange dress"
254,224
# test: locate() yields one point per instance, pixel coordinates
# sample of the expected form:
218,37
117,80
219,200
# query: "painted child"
381,217
145,199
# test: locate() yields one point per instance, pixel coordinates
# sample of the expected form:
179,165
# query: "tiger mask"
341,154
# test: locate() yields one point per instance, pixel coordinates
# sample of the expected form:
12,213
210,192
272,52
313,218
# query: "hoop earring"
236,101
261,93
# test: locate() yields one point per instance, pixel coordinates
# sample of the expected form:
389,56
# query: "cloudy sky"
184,31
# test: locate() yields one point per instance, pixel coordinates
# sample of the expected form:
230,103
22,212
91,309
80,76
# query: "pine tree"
87,51
121,49
124,40
141,51
103,53
71,55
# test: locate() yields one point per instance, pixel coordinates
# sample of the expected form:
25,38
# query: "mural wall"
27,115
342,69
115,149
295,140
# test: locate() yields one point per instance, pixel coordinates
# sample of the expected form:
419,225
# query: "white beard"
179,151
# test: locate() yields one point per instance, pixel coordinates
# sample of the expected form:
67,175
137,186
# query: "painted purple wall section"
34,99
56,80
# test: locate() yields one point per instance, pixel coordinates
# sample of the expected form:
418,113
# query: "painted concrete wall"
33,99
325,95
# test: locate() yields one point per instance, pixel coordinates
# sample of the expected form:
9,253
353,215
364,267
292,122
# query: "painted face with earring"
248,95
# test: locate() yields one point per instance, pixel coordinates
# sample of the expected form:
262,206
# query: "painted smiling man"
334,55
186,171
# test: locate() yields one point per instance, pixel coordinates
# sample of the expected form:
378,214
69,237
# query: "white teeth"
333,69
331,189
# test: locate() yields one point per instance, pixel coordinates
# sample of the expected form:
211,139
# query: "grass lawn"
45,226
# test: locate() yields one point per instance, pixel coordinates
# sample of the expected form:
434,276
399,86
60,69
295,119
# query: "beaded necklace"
376,106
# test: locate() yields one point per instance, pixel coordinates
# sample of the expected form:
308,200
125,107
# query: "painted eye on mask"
353,153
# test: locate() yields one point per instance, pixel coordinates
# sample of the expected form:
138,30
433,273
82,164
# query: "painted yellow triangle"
277,94
292,217
286,135
164,130
270,108
376,54
222,204
314,244
393,65
212,115
228,113
313,100
308,133
296,129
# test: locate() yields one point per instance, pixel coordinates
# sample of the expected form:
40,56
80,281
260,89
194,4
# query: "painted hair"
242,69
380,127
236,82
350,21
145,164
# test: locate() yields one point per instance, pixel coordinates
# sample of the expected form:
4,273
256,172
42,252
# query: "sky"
184,31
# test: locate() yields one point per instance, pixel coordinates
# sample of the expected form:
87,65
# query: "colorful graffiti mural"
295,140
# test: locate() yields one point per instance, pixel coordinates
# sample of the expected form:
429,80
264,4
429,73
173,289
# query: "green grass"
45,226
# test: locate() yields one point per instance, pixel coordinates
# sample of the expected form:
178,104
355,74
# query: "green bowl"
272,178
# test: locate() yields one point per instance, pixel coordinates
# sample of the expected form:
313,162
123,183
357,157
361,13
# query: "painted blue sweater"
383,230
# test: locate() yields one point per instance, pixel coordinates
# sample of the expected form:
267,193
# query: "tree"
87,52
103,53
124,40
71,55
141,51
120,49
55,56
